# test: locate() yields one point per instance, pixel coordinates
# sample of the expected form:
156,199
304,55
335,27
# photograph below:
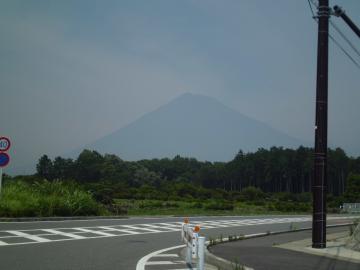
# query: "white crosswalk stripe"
3,243
139,228
119,230
157,227
19,237
70,235
29,236
95,232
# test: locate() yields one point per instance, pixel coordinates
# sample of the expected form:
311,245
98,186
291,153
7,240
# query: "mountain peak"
195,126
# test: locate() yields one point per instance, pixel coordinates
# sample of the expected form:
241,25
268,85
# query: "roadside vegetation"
44,199
268,181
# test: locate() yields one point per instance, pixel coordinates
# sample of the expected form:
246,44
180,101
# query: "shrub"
45,198
219,205
252,194
149,204
196,205
169,204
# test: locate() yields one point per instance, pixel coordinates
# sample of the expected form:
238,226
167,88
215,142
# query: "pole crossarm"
339,12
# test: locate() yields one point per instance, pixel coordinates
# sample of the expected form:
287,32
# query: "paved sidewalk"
262,254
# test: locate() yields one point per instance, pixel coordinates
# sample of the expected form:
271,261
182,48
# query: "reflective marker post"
201,253
195,244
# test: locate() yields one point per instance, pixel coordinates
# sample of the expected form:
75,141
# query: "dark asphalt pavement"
116,251
260,254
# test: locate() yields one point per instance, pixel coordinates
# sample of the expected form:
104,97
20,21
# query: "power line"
344,37
334,40
312,11
344,51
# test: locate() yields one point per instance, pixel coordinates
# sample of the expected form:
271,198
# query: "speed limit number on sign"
4,144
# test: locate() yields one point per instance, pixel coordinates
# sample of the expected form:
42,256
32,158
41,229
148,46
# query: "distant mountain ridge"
191,126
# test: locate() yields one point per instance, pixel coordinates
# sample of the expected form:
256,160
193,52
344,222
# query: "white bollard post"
183,229
185,237
194,244
201,253
188,254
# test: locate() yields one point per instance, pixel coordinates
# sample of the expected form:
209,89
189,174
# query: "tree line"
272,170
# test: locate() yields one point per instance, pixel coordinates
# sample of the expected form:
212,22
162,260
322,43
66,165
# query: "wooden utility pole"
320,155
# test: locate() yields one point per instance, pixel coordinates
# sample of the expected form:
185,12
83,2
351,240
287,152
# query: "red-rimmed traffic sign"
4,144
4,159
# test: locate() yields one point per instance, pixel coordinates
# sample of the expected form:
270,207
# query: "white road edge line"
142,262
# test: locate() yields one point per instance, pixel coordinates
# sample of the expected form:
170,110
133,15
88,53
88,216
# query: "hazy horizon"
72,73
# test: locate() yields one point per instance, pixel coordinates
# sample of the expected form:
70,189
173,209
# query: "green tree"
352,192
252,194
63,168
45,168
88,166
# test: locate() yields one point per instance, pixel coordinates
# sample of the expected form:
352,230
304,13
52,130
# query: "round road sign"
4,159
4,144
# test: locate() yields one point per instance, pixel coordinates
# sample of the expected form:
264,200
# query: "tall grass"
43,199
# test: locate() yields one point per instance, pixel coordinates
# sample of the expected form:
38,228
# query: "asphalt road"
274,258
114,244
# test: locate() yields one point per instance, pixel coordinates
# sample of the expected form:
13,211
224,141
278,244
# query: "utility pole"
320,154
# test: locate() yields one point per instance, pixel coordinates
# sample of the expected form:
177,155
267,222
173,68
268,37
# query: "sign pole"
4,157
1,173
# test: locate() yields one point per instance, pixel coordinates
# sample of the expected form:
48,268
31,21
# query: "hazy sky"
73,71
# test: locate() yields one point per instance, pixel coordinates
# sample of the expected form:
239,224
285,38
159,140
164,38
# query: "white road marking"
35,236
29,236
70,235
215,224
118,230
166,255
163,262
139,228
95,232
157,227
141,263
171,225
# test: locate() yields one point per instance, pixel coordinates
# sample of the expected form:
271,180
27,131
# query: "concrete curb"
224,264
25,219
221,263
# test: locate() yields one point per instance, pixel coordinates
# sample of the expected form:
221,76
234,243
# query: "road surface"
118,244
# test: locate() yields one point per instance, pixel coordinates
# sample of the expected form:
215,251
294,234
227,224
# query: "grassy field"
44,199
157,207
61,198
